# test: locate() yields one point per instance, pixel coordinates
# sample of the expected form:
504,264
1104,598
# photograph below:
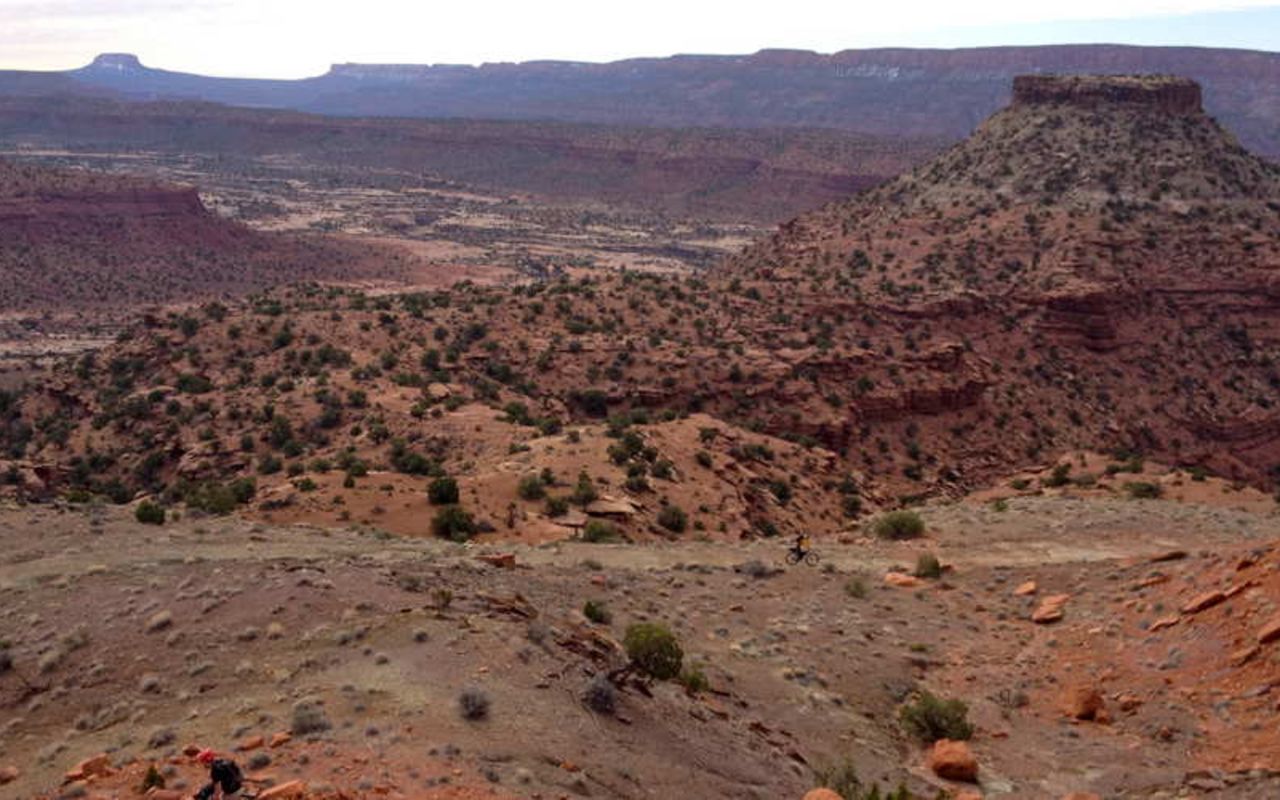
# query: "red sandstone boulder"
1084,703
953,761
1203,601
1051,609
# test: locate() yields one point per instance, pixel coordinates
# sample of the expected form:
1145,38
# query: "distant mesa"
1171,94
116,62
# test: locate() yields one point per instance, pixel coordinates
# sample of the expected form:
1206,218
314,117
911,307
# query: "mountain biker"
225,778
802,544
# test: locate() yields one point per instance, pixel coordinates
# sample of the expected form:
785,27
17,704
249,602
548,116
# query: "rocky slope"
71,239
1103,255
1092,270
894,92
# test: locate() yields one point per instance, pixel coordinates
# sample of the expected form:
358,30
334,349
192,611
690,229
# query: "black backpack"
226,774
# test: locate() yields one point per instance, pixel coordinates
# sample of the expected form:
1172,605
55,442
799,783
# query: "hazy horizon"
240,38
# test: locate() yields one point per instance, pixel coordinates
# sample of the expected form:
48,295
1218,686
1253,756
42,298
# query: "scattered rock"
1203,601
251,743
1083,703
1051,609
821,794
954,761
504,560
1243,656
902,580
293,790
159,621
1269,632
9,775
1027,588
99,766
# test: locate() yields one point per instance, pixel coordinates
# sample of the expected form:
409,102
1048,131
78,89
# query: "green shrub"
152,780
1144,490
531,488
928,566
597,612
584,492
899,525
557,506
673,518
653,650
443,491
454,523
930,718
694,680
703,458
148,513
1060,476
598,531
843,779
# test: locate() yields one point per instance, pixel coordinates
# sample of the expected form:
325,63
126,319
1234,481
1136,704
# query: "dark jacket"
223,774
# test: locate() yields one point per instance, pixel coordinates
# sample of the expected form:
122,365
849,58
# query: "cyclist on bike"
801,547
224,777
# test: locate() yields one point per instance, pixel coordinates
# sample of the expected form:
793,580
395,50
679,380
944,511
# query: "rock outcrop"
1171,95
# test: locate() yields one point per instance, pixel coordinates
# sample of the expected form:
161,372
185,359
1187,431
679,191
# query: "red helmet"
206,756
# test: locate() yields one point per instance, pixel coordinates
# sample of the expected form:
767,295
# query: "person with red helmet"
225,778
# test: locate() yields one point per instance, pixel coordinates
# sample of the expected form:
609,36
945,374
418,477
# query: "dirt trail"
1034,531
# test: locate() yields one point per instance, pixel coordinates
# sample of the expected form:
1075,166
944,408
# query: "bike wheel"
811,559
793,557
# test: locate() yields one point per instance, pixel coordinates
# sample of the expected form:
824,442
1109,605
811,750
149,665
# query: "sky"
299,38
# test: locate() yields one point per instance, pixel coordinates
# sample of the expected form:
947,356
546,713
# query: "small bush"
843,779
308,718
899,525
600,696
148,513
531,488
1144,490
673,518
598,531
443,492
928,566
473,703
694,680
453,523
152,780
597,612
557,506
584,492
930,718
653,650
856,588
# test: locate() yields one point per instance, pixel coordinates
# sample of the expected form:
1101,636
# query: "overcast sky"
296,38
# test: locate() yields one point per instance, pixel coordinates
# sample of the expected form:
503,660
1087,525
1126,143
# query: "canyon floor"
136,641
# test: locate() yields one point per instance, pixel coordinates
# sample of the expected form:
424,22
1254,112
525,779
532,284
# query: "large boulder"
1084,703
954,761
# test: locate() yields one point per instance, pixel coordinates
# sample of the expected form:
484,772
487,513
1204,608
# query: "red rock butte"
1167,93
